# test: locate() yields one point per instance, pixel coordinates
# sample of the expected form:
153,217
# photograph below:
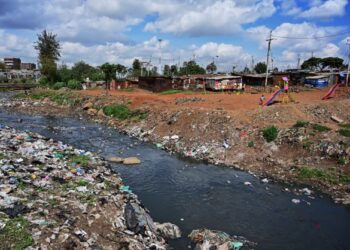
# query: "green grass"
307,145
345,126
270,133
344,132
329,176
250,144
123,112
2,156
320,128
15,235
83,160
300,124
60,98
342,160
175,91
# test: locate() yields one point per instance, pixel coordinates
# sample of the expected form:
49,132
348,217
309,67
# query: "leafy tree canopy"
260,67
191,68
211,68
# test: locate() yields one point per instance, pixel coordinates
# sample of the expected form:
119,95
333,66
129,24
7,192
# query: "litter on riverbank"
53,196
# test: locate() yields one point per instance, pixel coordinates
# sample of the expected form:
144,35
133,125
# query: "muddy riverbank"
195,195
307,148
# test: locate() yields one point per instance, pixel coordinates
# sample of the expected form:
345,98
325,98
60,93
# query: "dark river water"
196,195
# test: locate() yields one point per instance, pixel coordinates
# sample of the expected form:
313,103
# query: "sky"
230,32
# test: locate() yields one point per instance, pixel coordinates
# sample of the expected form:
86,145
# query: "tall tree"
121,71
260,67
109,73
64,74
136,67
191,68
332,62
312,63
48,48
211,68
166,70
174,70
82,70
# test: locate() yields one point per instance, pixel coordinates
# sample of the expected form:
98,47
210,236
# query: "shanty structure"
256,79
224,82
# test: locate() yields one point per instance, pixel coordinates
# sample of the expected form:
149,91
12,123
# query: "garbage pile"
53,196
206,239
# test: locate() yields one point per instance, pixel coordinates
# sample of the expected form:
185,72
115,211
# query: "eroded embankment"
53,196
293,143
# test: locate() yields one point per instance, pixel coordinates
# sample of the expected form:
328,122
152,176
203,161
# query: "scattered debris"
66,198
206,239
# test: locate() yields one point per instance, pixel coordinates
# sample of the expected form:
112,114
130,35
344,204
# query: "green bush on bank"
270,133
122,112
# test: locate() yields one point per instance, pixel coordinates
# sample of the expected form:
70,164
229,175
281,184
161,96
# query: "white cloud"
14,46
326,9
211,17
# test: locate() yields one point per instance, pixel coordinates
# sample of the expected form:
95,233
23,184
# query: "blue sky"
231,31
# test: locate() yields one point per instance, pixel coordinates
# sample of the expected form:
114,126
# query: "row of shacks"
237,81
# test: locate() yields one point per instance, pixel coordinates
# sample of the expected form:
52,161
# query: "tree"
48,48
211,68
2,66
275,70
121,71
64,74
166,70
191,68
109,73
260,67
312,63
246,70
136,67
174,70
332,62
82,70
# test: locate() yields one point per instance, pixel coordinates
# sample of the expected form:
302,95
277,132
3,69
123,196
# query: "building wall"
28,66
12,63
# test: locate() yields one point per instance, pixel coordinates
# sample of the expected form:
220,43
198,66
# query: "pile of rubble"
206,239
53,196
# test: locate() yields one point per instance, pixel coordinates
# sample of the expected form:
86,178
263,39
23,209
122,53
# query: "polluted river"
195,195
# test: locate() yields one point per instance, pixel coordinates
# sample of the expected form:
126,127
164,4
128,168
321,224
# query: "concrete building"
12,63
28,66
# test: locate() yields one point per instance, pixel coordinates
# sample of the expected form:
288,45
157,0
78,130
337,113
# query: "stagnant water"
195,195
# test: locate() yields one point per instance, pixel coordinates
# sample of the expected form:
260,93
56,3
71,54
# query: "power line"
314,37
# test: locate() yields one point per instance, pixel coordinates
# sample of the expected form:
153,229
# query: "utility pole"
268,57
298,64
160,57
347,74
252,63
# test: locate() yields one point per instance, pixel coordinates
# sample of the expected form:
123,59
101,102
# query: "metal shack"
319,81
224,83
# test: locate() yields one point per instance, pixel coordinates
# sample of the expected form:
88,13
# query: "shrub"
122,112
344,132
346,126
43,81
74,84
342,160
330,176
300,124
320,128
59,85
250,144
270,133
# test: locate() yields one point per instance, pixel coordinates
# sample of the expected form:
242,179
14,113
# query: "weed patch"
270,133
122,112
300,124
83,160
329,176
15,235
344,132
345,126
320,128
